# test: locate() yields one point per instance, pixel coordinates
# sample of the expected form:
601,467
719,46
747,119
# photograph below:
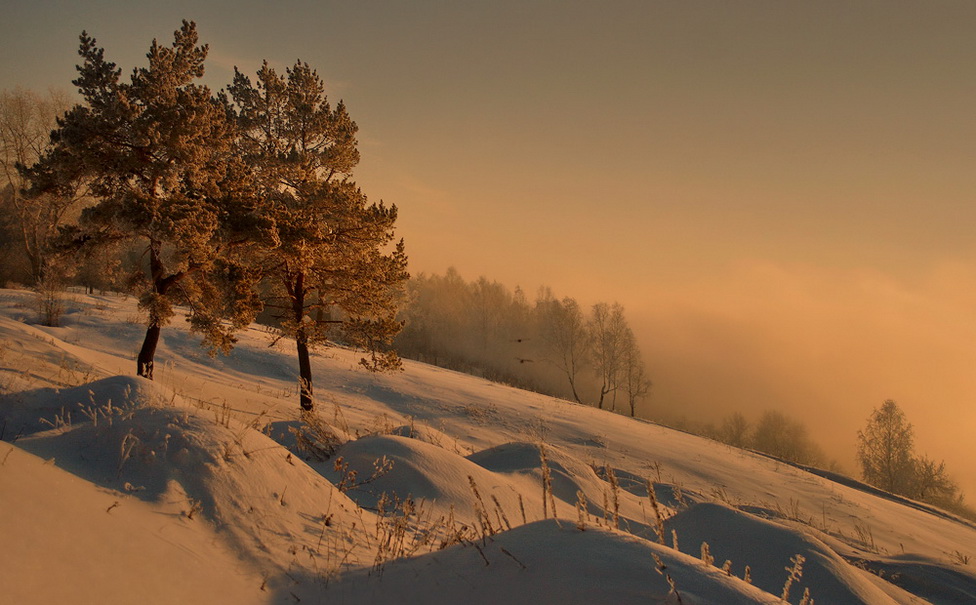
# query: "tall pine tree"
330,261
158,154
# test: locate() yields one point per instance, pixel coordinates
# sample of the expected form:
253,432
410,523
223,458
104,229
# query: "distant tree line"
228,204
774,433
886,453
549,345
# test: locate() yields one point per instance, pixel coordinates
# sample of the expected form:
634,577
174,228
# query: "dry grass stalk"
796,572
398,530
662,569
547,497
500,512
347,477
658,518
581,514
486,527
615,495
315,438
706,554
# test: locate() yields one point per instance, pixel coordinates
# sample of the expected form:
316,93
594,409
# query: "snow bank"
271,507
549,562
66,541
768,549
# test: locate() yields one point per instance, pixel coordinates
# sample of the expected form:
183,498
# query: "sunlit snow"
114,489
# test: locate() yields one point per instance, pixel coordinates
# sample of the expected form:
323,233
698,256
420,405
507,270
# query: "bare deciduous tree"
635,380
886,454
885,449
26,121
564,335
781,436
608,331
735,430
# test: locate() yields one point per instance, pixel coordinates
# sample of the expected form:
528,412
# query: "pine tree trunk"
304,371
147,354
296,290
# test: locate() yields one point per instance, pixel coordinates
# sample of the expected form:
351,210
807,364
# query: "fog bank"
823,345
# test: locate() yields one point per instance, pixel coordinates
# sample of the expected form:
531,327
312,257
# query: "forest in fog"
555,346
551,345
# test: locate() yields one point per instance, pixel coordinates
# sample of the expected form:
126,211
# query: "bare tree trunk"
603,393
572,386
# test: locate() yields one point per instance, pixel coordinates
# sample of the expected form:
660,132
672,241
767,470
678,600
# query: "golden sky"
780,193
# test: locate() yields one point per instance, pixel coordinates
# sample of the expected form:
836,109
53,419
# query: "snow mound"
568,474
767,548
503,482
425,433
522,463
275,509
549,562
36,410
88,545
439,479
933,581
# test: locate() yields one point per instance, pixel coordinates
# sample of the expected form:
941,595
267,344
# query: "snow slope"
192,489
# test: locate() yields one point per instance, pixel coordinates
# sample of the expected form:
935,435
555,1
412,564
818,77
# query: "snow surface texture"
195,488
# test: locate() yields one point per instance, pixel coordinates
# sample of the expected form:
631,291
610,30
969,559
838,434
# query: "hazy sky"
782,194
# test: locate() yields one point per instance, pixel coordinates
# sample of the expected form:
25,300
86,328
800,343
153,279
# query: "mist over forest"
549,344
553,344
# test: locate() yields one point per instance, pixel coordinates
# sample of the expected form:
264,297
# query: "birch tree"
885,449
565,337
607,328
636,383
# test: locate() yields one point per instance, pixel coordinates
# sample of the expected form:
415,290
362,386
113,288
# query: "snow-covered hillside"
114,489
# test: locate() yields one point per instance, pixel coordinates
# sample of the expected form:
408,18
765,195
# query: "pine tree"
327,261
157,153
